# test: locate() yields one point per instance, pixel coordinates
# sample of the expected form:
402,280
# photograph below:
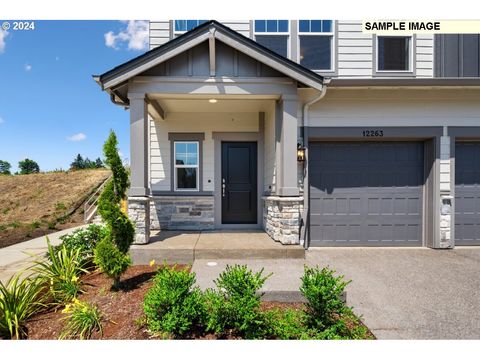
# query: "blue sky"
50,107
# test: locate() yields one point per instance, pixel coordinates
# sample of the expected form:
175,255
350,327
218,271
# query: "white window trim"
317,33
180,32
283,33
410,55
175,166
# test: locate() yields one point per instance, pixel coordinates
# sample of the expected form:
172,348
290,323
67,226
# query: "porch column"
287,184
138,194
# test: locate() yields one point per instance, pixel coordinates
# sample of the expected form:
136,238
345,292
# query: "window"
394,53
187,25
273,34
316,44
186,168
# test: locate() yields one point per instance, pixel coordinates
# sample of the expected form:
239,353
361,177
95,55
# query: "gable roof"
136,66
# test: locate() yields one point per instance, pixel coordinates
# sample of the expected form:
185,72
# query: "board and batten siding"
160,157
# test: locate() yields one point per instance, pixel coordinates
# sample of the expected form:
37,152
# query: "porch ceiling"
222,105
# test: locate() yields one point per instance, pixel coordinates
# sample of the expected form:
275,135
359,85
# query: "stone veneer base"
282,218
139,214
182,213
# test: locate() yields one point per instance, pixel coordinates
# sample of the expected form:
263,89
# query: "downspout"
306,123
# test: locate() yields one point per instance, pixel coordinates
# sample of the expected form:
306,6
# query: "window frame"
179,32
288,34
177,166
174,137
333,57
411,61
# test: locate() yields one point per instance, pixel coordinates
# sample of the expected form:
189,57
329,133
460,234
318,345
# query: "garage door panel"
467,193
372,200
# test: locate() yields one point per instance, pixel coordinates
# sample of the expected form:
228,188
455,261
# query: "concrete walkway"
411,293
19,256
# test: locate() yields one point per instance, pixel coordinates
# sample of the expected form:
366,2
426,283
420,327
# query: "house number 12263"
372,133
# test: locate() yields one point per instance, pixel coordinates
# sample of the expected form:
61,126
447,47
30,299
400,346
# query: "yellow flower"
74,278
76,301
67,309
152,262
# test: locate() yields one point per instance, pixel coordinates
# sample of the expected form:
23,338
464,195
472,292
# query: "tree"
78,163
4,167
28,166
99,163
111,254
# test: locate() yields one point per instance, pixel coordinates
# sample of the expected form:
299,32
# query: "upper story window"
394,53
273,34
316,44
187,25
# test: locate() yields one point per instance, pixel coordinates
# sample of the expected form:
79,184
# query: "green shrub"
111,260
84,240
82,320
235,305
61,273
323,292
287,324
174,305
19,300
121,231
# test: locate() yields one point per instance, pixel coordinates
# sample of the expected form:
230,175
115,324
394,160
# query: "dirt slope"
38,204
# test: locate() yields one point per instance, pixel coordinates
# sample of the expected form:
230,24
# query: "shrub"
120,229
235,304
19,300
287,324
111,260
323,292
82,320
173,305
61,272
84,240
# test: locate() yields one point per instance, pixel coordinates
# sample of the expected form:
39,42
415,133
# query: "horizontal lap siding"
354,50
159,33
160,163
342,107
424,54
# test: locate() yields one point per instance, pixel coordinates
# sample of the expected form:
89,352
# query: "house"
309,129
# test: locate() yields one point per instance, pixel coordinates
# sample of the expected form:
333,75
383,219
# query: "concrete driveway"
411,293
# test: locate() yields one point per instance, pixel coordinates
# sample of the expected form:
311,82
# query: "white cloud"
77,137
28,67
3,35
135,36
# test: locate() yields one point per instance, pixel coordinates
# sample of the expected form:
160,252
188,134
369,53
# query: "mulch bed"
122,310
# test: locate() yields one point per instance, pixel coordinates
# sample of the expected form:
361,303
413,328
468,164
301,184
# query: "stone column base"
139,214
282,218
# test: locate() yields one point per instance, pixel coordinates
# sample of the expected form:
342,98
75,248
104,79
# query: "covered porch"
214,120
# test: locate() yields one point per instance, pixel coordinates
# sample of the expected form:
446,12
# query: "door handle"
223,187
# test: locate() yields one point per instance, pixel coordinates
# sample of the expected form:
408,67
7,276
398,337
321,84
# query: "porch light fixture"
300,153
212,101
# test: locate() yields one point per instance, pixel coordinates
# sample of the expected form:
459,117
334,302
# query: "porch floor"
184,247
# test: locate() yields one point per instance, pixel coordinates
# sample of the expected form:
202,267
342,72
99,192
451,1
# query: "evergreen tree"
99,163
111,254
78,163
4,167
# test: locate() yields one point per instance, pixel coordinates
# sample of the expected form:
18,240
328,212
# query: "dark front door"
239,183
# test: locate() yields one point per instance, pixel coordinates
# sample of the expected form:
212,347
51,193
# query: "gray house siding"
457,55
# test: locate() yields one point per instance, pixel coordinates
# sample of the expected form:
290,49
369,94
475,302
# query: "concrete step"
185,247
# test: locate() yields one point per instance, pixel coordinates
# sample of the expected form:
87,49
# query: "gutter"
305,118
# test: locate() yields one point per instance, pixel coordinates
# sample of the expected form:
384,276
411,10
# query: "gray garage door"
366,194
467,193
